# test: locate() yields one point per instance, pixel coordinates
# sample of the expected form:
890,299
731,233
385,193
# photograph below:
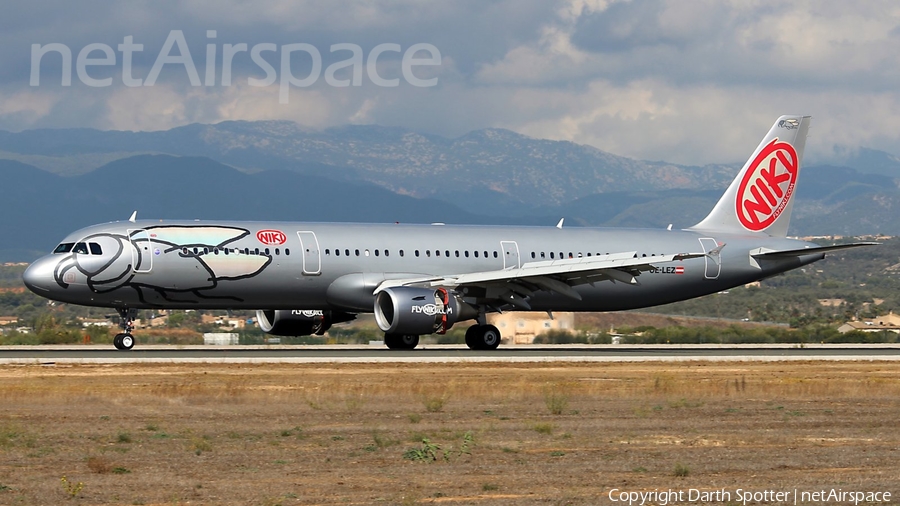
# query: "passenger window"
327,252
95,249
437,252
428,253
447,253
476,253
337,252
287,251
466,253
551,255
277,251
543,255
417,252
401,252
533,255
64,247
80,248
387,253
226,251
485,254
346,252
495,254
457,253
267,251
376,252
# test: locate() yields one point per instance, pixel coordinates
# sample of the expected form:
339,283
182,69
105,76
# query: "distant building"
8,320
523,327
889,322
220,338
223,321
99,322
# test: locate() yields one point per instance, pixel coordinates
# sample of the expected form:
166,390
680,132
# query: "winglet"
559,225
133,217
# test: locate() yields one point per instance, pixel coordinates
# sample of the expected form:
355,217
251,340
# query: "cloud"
695,82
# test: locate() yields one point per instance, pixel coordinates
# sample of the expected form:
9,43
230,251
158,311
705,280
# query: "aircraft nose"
39,275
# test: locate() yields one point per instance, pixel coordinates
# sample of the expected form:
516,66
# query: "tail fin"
760,198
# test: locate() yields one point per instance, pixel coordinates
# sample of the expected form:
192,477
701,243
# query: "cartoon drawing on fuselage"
421,279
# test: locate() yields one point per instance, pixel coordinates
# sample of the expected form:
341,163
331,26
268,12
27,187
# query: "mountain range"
59,180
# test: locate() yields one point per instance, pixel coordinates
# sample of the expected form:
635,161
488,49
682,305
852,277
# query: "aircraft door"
510,254
141,251
312,261
712,258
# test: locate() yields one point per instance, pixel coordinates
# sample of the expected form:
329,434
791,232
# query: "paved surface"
442,353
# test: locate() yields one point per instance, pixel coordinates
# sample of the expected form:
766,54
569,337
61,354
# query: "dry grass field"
443,434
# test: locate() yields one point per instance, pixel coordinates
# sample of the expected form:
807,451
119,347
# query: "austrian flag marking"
768,185
271,237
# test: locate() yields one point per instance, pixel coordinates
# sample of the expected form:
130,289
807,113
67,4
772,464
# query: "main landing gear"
483,337
125,341
401,341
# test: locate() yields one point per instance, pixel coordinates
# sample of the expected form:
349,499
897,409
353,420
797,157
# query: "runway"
106,354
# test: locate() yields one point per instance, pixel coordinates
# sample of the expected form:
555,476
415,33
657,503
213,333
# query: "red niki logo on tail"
767,186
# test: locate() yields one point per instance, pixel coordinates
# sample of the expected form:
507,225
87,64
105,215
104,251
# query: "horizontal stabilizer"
763,253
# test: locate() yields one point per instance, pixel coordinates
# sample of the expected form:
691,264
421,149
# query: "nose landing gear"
124,340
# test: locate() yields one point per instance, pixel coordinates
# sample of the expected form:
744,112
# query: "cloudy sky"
684,81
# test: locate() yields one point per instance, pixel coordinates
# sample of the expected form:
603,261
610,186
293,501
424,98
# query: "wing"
513,286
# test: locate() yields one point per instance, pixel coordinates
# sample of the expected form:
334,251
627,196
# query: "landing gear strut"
483,337
125,341
401,341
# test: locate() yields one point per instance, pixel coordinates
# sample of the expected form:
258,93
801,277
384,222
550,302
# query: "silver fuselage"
281,265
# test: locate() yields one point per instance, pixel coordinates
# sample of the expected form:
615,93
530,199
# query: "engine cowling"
409,310
299,322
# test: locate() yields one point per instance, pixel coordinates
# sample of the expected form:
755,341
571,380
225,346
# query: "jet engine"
299,322
409,310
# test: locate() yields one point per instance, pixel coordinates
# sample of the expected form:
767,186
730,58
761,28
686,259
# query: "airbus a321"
422,279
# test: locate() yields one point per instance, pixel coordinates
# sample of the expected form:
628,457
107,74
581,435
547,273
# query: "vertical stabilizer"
761,197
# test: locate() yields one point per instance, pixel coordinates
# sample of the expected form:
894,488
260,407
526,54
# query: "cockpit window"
80,248
95,248
64,247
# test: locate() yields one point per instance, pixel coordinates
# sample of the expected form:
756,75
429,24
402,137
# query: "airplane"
421,279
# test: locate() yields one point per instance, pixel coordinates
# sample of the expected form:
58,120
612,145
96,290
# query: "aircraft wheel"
127,342
401,341
409,341
472,337
490,337
117,341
